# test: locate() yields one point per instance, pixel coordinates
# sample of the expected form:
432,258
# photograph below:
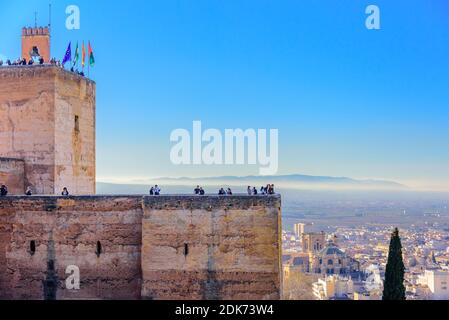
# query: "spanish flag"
83,56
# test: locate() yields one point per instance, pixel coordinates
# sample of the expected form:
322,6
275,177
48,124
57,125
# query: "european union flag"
68,54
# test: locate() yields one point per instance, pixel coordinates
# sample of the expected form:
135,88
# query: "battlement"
36,31
40,71
141,247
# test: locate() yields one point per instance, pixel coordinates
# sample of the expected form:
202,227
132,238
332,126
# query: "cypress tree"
394,288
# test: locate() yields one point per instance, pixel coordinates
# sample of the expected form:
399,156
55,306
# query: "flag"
68,54
83,56
77,55
91,56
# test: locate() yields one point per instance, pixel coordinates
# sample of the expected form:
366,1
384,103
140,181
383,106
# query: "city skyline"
347,101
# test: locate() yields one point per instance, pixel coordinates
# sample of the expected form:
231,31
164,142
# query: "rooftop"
331,249
15,71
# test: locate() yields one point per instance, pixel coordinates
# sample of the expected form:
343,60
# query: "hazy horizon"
216,181
347,101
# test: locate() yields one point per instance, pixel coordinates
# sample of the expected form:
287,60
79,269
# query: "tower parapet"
36,43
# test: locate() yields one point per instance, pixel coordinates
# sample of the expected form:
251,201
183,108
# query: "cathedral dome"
331,250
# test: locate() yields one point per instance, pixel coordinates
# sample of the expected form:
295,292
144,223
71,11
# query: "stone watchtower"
47,125
36,42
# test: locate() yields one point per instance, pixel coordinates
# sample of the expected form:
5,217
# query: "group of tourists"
199,191
155,191
252,191
4,191
80,73
55,62
40,61
268,190
22,62
223,192
29,191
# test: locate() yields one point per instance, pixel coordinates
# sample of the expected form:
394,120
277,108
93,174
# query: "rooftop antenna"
49,15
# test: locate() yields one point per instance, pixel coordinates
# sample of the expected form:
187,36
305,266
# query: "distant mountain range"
295,181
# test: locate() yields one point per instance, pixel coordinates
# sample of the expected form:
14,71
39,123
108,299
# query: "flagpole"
88,58
77,60
83,57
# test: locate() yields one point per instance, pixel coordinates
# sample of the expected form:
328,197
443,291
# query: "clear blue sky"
347,101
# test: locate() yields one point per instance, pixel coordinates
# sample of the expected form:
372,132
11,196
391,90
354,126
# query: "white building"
333,287
438,283
374,280
372,287
299,230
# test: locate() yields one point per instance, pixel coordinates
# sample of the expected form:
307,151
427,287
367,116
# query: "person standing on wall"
3,190
65,192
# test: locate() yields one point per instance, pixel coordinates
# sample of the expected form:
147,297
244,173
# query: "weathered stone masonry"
12,174
47,119
168,247
126,247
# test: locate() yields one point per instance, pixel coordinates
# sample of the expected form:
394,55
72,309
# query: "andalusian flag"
83,56
91,56
77,55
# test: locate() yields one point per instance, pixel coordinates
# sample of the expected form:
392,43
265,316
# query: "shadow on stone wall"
50,284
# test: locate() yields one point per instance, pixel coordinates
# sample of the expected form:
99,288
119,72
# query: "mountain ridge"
292,180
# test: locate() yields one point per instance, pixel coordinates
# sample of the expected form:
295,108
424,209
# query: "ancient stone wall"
12,174
168,247
74,134
47,119
26,122
211,248
66,231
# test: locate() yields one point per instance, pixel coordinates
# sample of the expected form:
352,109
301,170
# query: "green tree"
394,288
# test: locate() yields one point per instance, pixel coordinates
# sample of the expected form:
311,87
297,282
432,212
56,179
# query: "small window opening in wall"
99,250
32,247
77,124
186,249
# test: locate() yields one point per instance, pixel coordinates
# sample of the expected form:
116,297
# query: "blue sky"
347,101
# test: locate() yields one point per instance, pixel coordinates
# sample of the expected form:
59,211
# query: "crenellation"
35,31
42,71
